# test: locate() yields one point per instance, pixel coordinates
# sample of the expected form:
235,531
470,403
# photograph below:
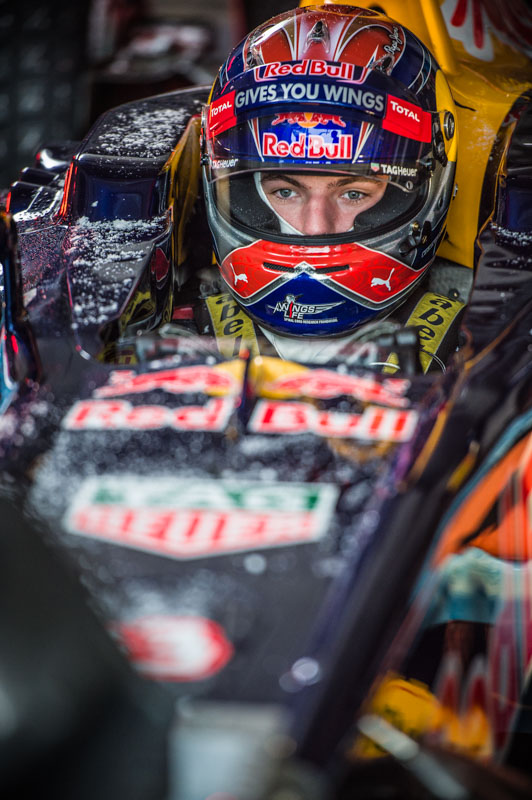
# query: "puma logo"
382,282
240,277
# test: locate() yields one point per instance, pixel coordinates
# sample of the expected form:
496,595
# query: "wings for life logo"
293,311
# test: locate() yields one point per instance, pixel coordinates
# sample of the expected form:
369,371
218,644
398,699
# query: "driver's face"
321,204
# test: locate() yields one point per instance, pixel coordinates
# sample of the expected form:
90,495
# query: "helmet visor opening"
306,203
316,175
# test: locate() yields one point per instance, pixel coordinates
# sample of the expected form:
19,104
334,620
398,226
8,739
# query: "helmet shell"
327,89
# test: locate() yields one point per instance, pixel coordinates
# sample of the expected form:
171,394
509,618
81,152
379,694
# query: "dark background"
62,63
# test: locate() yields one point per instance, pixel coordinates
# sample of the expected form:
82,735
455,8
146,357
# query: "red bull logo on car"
326,384
375,424
107,415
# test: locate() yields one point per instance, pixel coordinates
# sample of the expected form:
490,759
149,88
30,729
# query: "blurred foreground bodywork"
326,569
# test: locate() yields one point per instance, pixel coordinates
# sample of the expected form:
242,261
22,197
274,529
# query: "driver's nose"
318,216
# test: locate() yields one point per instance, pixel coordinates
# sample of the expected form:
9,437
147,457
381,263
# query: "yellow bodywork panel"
183,166
412,708
486,75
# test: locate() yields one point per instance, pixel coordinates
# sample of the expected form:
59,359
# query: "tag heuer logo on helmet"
396,169
296,312
224,163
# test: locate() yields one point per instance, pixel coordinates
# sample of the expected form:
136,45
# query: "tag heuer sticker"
195,518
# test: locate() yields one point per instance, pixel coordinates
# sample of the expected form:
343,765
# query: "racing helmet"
328,153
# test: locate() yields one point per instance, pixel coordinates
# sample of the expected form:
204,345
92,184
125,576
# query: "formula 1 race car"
229,575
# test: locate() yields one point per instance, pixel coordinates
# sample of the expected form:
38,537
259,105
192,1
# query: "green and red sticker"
195,518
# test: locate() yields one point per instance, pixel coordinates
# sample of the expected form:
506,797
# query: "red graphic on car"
475,22
179,380
175,648
326,383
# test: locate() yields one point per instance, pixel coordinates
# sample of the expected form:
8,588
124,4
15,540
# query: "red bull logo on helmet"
313,146
323,69
308,119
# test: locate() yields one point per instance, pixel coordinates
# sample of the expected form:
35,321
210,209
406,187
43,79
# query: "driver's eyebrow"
340,181
279,176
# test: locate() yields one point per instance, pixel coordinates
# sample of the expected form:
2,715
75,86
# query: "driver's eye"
353,194
284,192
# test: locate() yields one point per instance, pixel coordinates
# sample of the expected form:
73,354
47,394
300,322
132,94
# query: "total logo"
308,119
313,146
221,114
407,119
225,105
403,110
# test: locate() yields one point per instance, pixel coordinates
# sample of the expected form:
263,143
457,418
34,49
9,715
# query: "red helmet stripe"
368,274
